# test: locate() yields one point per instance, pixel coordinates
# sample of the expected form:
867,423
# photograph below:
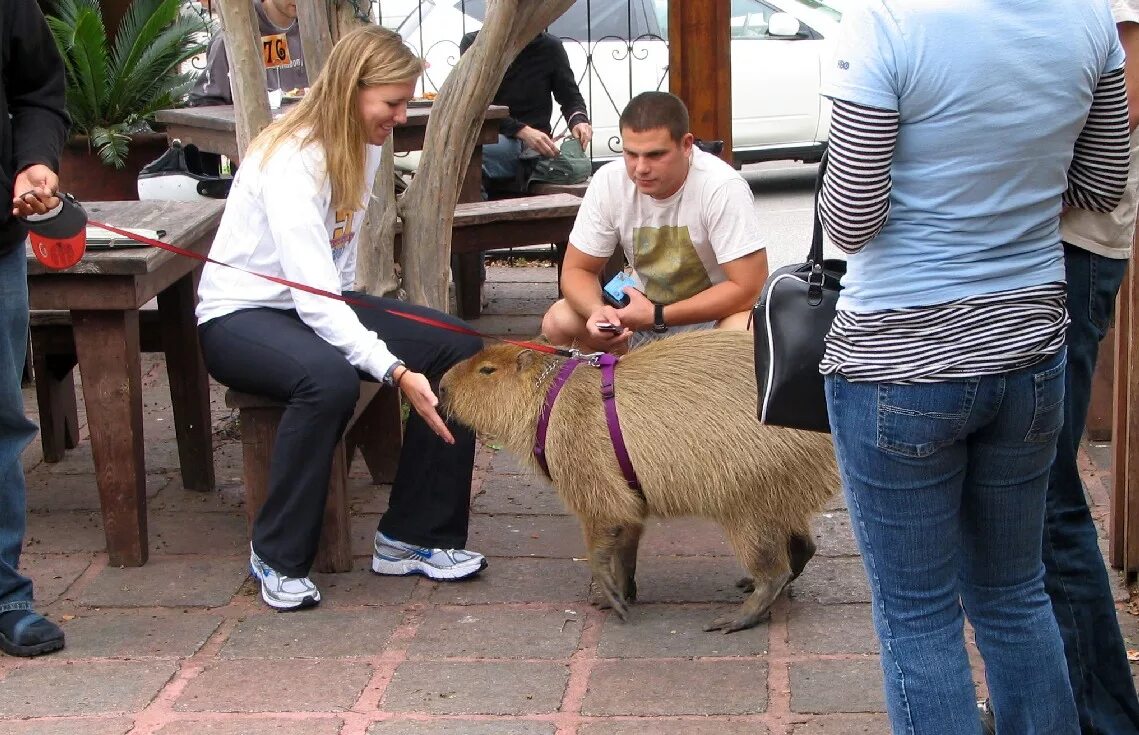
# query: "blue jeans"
15,429
1075,576
945,483
500,159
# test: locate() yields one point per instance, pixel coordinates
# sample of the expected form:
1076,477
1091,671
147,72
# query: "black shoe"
27,633
988,719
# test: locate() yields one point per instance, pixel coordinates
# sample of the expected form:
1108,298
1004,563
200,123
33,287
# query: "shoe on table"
397,558
281,592
988,719
27,633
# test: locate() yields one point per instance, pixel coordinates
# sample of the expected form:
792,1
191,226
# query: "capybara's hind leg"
800,550
601,540
767,561
625,561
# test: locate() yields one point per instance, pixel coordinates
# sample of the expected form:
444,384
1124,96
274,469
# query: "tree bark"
246,69
375,263
316,40
428,206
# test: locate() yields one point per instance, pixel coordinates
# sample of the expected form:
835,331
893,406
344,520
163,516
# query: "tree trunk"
375,263
428,206
316,40
246,69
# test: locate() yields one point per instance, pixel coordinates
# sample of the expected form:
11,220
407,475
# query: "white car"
618,49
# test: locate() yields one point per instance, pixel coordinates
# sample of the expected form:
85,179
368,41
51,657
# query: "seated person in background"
280,50
687,224
540,69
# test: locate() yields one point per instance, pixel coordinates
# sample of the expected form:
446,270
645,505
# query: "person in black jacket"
540,70
33,127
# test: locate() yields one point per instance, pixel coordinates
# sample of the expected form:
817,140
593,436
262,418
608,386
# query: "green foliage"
114,89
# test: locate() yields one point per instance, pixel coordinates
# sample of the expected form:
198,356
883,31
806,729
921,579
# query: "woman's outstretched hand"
417,389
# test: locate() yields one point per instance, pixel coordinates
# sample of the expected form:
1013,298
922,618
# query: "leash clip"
593,358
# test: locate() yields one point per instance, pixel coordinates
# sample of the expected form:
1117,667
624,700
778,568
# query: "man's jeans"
1075,576
945,483
15,429
500,159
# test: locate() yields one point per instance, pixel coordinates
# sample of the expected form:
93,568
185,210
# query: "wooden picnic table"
104,293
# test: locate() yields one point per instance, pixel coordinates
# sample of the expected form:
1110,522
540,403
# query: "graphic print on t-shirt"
342,233
666,261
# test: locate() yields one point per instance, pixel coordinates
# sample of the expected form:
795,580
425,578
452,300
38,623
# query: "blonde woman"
295,212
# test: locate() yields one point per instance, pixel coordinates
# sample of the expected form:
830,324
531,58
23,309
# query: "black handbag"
791,320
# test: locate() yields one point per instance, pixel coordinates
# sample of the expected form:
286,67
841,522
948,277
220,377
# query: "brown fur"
687,411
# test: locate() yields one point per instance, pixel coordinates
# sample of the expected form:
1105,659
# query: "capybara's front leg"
625,561
767,560
800,550
601,540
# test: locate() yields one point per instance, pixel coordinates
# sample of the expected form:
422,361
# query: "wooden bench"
502,223
544,188
375,427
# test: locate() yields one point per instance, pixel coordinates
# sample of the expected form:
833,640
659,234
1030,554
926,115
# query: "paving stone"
65,532
684,537
844,725
82,688
363,537
168,581
461,727
363,496
815,628
505,463
135,634
519,580
833,536
519,495
69,726
228,497
494,632
829,687
77,492
517,326
675,727
158,457
832,581
361,587
704,687
689,579
501,275
254,726
837,501
656,631
52,574
558,537
224,534
317,633
259,685
465,688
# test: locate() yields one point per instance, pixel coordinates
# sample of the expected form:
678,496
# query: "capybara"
687,409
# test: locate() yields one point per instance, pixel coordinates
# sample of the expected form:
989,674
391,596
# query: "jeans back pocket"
917,420
1048,402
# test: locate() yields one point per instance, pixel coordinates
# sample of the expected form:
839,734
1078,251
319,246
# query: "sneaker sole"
307,602
404,567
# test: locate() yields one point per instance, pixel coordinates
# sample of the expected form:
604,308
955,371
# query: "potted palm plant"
115,87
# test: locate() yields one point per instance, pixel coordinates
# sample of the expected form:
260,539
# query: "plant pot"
84,175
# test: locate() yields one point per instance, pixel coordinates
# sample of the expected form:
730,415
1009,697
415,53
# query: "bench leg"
378,434
189,384
467,272
55,396
108,350
334,553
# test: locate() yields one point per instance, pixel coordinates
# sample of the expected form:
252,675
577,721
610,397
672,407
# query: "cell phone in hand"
607,327
614,291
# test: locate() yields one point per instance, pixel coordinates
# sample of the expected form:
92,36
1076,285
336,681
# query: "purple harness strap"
607,363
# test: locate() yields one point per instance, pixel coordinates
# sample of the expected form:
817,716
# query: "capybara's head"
497,391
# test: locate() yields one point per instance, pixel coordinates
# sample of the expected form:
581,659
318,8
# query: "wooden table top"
184,222
223,117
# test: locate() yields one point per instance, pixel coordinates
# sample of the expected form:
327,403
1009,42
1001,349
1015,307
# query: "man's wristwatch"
389,376
658,319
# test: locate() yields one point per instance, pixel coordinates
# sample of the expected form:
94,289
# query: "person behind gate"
295,212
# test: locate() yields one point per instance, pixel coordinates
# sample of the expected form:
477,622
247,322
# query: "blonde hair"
329,116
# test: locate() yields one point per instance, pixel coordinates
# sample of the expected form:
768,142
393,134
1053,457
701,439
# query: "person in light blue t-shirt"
960,128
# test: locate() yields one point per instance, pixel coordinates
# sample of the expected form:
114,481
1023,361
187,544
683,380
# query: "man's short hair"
651,110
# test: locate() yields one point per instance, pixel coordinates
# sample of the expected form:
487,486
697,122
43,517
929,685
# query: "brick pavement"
183,645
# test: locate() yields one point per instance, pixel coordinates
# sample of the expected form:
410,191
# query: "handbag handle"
815,256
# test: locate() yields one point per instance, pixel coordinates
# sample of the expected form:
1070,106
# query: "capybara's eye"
487,369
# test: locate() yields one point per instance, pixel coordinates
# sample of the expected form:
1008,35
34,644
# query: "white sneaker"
281,592
395,557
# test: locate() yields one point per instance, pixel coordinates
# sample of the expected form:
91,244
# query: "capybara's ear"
525,360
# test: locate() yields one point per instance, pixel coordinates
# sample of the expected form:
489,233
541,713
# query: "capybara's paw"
730,624
747,584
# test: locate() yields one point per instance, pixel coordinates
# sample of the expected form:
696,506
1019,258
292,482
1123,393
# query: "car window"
749,19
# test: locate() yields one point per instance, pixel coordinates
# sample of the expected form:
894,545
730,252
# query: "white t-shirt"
1110,234
675,245
279,221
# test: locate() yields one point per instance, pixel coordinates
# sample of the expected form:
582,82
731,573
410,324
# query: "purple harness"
607,363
